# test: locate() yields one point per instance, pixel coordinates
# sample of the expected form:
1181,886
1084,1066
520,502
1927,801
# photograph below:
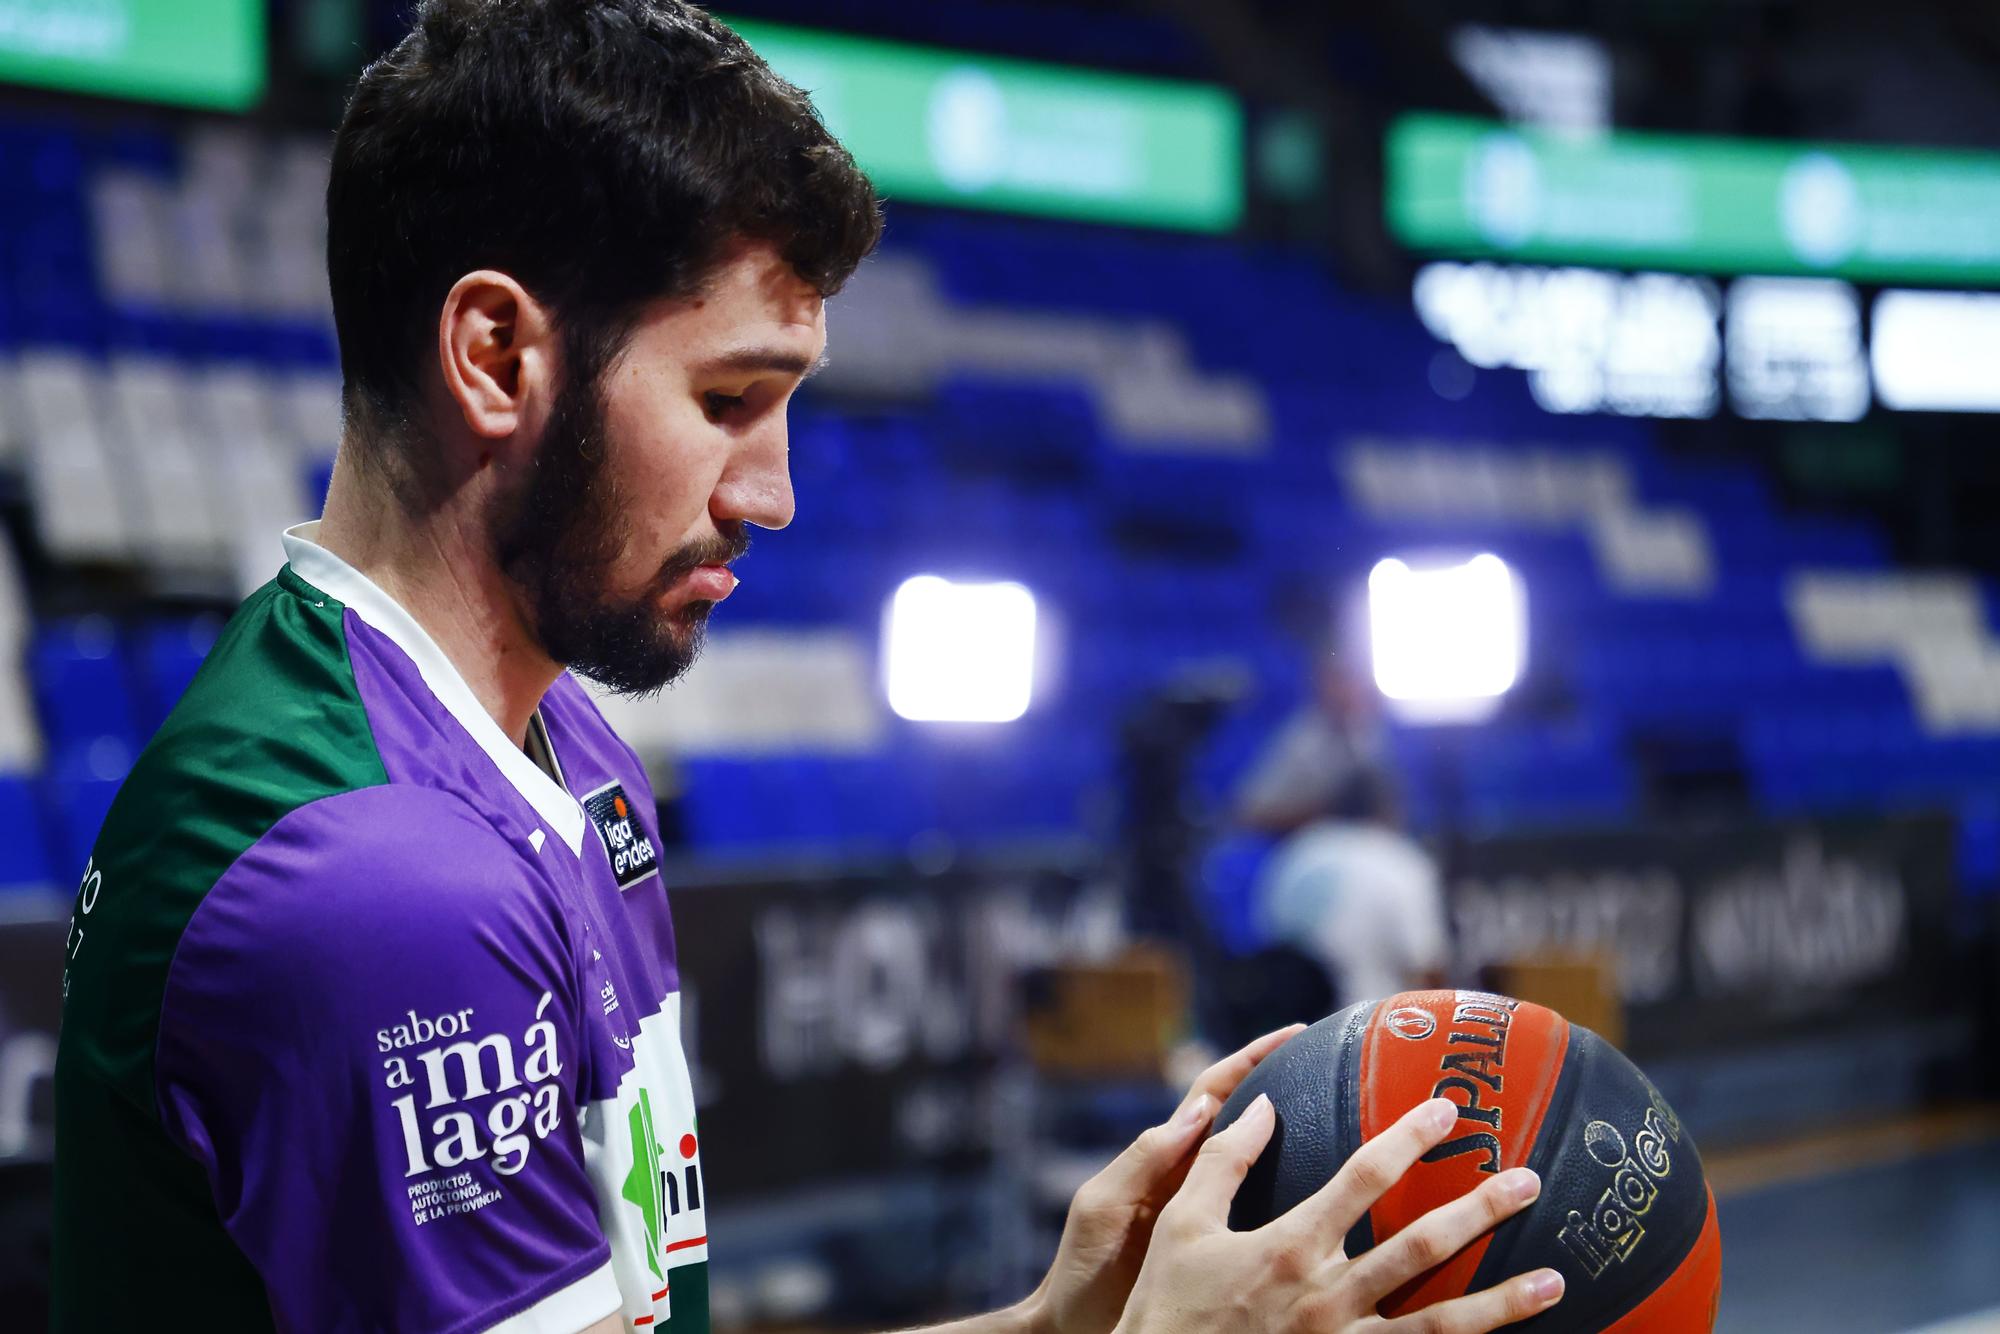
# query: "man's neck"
439,568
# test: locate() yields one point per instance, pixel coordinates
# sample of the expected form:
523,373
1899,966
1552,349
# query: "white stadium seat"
262,489
72,479
309,412
169,490
898,334
1930,626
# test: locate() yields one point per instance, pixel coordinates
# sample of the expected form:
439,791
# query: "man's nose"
756,487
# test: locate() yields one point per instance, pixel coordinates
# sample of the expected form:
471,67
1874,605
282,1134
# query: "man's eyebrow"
781,360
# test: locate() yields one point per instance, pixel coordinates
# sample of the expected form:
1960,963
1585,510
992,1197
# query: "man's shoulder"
360,875
271,725
386,841
272,720
387,829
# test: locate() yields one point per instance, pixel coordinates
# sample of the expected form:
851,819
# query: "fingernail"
1440,1113
1262,1107
1194,1111
1521,1183
1546,1286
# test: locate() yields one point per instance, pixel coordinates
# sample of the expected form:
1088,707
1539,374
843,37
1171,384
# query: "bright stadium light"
961,653
1934,351
1447,642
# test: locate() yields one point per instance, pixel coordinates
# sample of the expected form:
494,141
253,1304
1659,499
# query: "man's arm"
1110,1221
1017,1319
1023,1318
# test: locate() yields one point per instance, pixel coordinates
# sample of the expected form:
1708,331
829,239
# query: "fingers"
1220,1080
1442,1233
1373,1168
1503,1304
1149,1165
1203,1200
1151,1160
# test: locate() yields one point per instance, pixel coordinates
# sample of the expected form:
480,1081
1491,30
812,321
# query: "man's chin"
685,629
631,670
634,681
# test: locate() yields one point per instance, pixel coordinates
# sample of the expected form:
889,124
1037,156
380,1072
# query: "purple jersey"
371,1015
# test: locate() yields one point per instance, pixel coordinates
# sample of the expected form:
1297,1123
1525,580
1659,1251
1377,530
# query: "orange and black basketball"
1625,1213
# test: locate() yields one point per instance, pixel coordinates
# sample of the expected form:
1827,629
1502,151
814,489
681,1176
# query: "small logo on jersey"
1412,1022
630,847
661,1190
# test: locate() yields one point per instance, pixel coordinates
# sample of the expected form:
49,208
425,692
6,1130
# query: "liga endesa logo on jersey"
630,848
517,1084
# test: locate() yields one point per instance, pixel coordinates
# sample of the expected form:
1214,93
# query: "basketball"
1625,1213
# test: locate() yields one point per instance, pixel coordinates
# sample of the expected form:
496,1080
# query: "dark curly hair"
601,152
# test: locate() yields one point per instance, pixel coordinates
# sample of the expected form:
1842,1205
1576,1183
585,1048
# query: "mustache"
726,548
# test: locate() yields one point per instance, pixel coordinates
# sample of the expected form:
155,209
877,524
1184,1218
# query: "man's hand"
1292,1276
1110,1221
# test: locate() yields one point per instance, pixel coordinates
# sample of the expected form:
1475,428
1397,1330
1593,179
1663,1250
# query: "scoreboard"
199,53
1670,275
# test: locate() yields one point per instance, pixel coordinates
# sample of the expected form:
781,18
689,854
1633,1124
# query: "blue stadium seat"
166,656
25,862
80,791
81,687
1038,430
1228,883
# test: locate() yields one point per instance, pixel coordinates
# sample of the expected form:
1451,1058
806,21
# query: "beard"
558,538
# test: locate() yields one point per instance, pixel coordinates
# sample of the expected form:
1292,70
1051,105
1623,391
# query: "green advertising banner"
202,53
1629,200
976,131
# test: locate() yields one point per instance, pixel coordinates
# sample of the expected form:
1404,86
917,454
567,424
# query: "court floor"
1884,1230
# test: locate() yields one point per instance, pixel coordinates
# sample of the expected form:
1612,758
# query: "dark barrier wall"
1733,934
852,1025
31,966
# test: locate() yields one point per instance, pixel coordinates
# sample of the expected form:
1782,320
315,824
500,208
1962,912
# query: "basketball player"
372,1012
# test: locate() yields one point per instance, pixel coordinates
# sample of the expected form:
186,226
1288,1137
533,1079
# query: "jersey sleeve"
370,1040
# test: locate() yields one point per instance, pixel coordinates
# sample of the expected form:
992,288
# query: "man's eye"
720,405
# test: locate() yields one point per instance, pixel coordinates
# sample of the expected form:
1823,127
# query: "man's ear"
496,352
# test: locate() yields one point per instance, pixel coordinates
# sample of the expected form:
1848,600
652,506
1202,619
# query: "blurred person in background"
372,1002
1359,896
1342,884
1332,742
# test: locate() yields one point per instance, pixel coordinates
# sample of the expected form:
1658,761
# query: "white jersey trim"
566,1310
657,1083
341,581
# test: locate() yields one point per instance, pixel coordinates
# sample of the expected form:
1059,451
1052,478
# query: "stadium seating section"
1176,443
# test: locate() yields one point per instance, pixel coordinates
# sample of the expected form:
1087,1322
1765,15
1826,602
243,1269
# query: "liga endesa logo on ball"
1616,1224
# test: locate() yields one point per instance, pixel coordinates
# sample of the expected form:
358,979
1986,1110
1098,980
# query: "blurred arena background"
1496,490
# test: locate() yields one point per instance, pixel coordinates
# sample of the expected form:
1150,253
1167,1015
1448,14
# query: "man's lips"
706,583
